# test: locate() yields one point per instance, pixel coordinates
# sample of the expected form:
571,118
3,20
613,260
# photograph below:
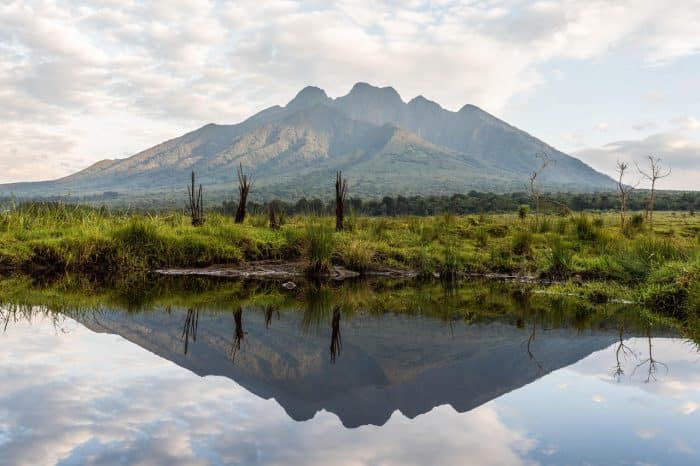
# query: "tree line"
475,202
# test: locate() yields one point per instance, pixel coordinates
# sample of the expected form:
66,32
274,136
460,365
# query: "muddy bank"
284,270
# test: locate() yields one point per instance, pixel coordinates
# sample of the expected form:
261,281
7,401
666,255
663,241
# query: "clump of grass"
358,255
670,299
585,229
139,244
319,247
481,236
522,243
450,267
425,264
560,259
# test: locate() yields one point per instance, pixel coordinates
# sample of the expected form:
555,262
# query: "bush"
523,211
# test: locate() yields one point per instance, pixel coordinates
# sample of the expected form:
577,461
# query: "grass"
659,267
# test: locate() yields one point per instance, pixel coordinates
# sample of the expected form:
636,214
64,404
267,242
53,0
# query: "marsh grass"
61,238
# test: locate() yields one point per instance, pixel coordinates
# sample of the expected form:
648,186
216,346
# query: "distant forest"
472,202
477,202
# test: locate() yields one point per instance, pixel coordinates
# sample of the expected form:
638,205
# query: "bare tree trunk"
656,172
244,185
341,190
274,222
196,203
623,191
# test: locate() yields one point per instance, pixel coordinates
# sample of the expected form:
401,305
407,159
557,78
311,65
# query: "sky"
81,81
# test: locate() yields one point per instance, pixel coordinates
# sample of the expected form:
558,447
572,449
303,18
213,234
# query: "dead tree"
244,184
655,173
623,190
274,221
341,191
653,364
545,160
196,203
622,352
269,311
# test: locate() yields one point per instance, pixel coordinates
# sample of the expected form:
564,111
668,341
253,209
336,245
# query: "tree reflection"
336,341
238,333
622,352
530,340
652,364
269,311
190,328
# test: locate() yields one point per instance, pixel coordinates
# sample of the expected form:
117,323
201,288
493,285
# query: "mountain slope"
384,145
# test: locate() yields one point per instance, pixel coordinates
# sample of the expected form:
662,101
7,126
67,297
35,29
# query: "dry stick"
656,172
341,191
244,184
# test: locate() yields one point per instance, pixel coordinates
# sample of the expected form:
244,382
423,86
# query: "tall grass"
319,246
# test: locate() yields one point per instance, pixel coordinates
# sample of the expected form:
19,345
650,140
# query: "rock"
289,285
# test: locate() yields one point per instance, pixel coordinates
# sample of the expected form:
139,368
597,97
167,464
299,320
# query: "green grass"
658,267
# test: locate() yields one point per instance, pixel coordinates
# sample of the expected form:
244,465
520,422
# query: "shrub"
523,211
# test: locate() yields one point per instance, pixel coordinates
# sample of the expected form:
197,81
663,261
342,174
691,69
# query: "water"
299,377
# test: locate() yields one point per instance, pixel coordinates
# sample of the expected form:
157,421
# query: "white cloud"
179,65
678,150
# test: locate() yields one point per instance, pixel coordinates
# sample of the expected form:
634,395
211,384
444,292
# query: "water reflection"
483,377
189,330
238,332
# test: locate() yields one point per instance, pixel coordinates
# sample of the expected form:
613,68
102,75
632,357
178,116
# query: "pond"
233,373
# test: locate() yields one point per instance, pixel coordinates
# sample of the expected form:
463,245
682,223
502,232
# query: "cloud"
180,64
679,150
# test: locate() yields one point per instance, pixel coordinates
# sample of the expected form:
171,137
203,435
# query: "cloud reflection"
86,398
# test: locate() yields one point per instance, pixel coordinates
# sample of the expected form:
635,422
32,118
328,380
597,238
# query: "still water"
319,384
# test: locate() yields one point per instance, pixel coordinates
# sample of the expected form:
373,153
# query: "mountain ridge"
385,146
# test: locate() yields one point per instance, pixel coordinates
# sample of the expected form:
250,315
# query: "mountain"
383,145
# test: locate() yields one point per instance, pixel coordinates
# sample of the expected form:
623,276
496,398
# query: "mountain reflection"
402,349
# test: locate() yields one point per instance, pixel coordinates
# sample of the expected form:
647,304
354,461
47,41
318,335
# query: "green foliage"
523,211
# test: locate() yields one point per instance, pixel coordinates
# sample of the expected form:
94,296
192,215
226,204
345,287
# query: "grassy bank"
587,254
